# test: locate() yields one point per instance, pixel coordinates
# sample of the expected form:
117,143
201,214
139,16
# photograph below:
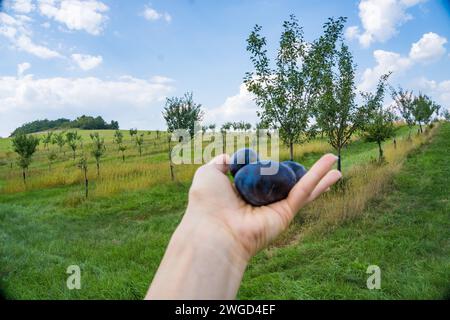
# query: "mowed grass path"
406,233
118,243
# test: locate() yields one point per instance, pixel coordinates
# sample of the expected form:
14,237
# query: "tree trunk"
291,150
123,157
380,151
86,184
24,176
395,143
223,142
172,176
420,125
74,154
98,169
339,165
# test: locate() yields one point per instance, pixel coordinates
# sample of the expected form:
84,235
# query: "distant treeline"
83,122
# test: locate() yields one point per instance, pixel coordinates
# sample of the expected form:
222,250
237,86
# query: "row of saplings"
25,146
310,80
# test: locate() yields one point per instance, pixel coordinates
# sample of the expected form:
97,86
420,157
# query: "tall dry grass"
360,185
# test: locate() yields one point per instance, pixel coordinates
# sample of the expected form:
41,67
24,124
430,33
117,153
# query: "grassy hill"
405,232
118,236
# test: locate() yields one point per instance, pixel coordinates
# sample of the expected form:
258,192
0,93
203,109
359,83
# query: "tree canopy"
287,93
83,122
182,113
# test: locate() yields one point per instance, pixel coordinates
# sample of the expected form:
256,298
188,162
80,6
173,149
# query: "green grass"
405,233
118,241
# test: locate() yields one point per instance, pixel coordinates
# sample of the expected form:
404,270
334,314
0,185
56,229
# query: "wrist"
212,239
202,261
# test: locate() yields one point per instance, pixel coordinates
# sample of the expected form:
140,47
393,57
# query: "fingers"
304,189
220,163
330,178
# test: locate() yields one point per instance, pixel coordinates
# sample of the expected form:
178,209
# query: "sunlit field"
118,234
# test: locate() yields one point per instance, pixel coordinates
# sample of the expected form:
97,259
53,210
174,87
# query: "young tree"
60,140
182,113
9,156
47,139
98,149
25,146
404,104
446,115
287,94
336,112
380,123
51,158
83,165
223,130
132,133
140,142
73,138
157,134
423,109
212,127
123,148
118,139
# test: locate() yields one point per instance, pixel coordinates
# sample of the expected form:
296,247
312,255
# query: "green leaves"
98,145
118,137
404,103
423,108
380,121
182,113
25,146
287,94
336,112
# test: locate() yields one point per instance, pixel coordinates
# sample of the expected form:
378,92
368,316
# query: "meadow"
394,214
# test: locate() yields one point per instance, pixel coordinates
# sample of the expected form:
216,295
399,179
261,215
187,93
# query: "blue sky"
120,59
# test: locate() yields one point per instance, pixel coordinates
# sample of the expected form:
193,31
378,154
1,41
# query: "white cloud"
87,62
88,15
430,47
153,15
352,32
21,6
22,67
386,61
380,20
17,31
235,108
439,91
124,99
25,43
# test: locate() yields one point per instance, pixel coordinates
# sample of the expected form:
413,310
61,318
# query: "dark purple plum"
298,169
241,158
260,189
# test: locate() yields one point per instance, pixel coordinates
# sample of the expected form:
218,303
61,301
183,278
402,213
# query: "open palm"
215,205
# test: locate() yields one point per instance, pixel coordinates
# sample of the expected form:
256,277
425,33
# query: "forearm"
199,263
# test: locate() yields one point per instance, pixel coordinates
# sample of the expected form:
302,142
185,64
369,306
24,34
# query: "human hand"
220,232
